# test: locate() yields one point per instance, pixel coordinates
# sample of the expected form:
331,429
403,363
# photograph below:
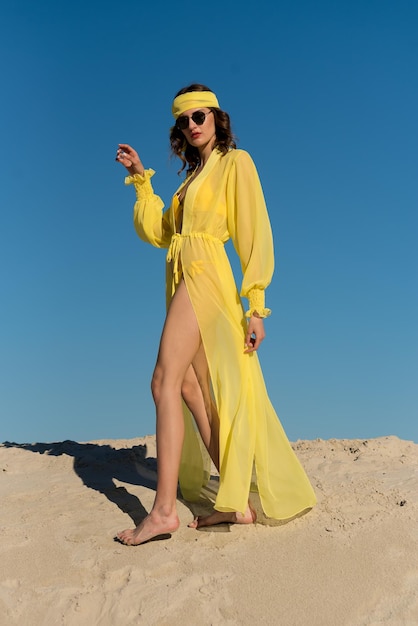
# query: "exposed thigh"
180,338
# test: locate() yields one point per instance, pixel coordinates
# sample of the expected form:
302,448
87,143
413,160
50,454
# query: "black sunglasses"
198,117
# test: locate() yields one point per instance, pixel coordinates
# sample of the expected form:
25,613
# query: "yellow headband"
193,100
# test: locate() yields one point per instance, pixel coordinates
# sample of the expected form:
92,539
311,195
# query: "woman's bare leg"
198,398
179,344
197,394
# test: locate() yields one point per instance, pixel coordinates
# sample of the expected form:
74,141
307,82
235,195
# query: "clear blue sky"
324,95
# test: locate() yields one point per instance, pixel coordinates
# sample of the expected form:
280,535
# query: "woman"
207,356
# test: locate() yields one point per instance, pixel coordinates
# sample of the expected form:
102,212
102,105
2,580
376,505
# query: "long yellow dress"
226,201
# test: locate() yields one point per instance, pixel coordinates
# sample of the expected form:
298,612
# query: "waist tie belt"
176,244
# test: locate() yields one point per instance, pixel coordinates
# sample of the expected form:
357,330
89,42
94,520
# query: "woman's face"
199,135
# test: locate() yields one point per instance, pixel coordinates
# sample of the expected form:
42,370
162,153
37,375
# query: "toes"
124,536
194,523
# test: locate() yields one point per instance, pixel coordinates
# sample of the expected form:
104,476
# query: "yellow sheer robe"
226,201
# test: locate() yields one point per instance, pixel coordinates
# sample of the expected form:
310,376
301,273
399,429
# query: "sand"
351,561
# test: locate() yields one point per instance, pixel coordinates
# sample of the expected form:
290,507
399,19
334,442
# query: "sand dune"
351,561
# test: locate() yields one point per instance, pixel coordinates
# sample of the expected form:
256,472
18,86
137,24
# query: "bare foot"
152,526
218,517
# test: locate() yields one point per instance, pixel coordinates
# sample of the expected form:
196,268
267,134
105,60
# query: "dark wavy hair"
225,139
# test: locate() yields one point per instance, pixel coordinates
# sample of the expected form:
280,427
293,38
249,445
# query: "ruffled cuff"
143,187
256,299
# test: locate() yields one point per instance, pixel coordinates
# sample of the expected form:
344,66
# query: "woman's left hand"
255,334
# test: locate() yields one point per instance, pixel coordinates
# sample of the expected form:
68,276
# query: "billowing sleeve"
250,230
151,224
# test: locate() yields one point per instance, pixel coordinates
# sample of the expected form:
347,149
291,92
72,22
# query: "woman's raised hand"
129,158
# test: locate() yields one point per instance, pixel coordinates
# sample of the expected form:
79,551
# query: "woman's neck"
205,152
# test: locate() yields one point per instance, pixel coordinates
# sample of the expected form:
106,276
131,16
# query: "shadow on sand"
99,465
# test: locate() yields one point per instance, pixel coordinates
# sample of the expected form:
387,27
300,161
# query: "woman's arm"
151,224
250,230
